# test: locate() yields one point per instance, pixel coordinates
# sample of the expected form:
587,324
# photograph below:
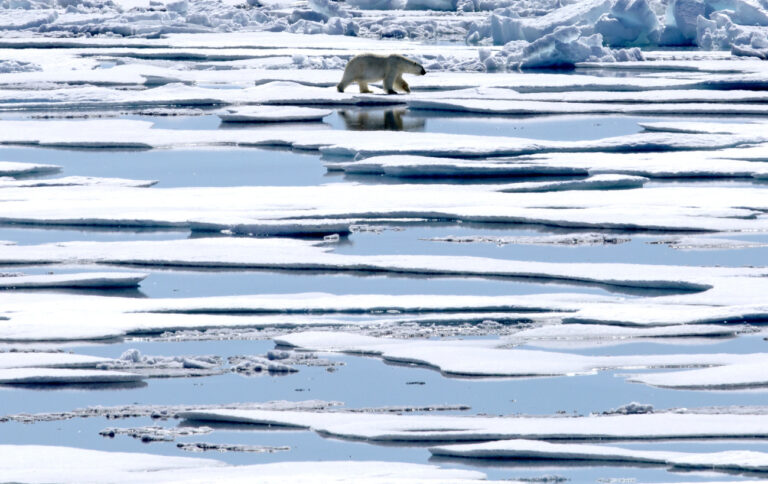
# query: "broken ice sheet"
64,376
450,429
279,209
591,454
92,280
272,114
728,163
15,169
575,239
486,358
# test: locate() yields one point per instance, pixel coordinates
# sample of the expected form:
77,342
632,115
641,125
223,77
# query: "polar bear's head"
411,66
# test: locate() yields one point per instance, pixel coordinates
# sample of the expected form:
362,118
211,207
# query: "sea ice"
528,449
275,253
273,114
14,169
101,280
450,429
63,376
472,358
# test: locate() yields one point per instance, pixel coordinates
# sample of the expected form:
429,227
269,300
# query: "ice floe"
322,209
64,376
708,243
597,182
472,358
14,169
273,114
728,163
727,377
527,450
276,253
17,359
100,280
450,429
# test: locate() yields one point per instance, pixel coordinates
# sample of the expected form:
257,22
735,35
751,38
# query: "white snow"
23,463
597,182
48,360
728,377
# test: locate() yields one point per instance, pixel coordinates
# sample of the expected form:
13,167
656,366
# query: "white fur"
365,68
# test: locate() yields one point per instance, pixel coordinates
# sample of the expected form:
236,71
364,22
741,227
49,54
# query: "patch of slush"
569,240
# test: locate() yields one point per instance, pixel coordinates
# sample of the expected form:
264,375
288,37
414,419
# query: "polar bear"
365,68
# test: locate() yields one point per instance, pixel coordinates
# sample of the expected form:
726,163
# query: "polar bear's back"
368,67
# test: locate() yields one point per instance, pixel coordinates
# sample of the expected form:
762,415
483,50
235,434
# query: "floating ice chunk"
565,47
728,377
12,168
729,163
101,280
529,449
249,226
449,429
69,181
48,360
62,376
275,253
273,114
479,106
469,358
597,182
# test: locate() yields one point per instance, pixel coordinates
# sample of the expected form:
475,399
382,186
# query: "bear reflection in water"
389,120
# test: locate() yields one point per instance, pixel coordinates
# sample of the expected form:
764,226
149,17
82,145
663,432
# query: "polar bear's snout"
365,68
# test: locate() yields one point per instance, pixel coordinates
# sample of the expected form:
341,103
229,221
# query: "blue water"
364,381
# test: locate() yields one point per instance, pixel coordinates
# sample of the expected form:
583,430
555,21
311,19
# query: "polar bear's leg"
401,84
389,81
363,87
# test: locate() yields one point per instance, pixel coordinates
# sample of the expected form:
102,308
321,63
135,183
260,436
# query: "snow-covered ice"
102,280
273,114
527,449
449,429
